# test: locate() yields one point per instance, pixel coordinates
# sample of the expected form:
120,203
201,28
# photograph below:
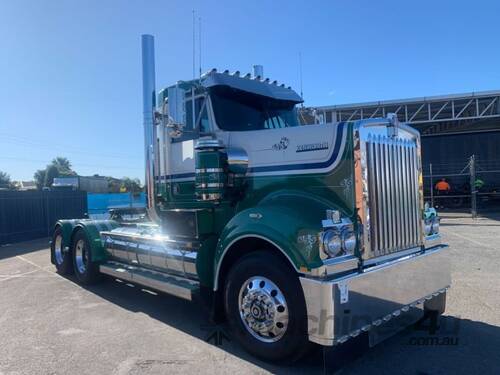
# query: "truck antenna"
194,52
300,76
199,43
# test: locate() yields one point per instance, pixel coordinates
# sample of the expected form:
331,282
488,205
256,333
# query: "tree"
60,166
39,178
50,173
5,181
126,184
63,165
114,184
132,185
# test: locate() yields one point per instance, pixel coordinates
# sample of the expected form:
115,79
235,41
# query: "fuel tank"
144,245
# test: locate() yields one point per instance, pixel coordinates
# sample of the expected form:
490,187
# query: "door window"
200,124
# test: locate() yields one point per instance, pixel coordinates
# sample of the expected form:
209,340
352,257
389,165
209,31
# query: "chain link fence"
469,185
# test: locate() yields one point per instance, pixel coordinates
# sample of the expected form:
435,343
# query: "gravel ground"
51,325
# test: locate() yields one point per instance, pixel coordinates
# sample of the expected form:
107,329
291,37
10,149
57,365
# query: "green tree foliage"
5,181
126,184
114,184
63,166
39,178
50,173
133,185
60,166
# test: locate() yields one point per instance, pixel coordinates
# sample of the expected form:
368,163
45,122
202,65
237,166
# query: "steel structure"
419,112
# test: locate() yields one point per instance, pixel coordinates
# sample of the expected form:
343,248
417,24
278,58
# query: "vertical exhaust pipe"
149,104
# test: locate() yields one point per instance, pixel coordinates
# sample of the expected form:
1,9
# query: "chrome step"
170,284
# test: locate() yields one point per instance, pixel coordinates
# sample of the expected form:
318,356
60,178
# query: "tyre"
86,271
265,308
60,256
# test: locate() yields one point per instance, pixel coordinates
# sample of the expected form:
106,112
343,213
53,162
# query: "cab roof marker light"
226,71
282,85
248,75
236,73
267,80
258,71
275,82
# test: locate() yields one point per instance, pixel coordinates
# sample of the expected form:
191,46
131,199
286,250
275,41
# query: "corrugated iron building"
453,128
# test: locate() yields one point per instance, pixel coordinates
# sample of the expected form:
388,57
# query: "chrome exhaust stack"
149,104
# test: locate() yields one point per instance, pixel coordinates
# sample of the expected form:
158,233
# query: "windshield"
236,110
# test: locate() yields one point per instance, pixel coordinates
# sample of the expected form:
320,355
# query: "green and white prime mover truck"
293,234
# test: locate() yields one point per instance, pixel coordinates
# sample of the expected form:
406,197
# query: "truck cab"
295,234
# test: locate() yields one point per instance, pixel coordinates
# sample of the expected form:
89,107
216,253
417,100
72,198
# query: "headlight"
339,241
338,236
435,225
349,241
332,243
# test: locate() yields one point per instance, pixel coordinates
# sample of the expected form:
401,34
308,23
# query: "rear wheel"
60,255
86,271
265,308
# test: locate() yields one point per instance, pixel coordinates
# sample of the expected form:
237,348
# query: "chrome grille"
393,194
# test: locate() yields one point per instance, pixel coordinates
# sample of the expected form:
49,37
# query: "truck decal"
282,144
312,147
311,167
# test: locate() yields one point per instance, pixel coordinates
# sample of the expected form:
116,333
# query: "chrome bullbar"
343,307
389,194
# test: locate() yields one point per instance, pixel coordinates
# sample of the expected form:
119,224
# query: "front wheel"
265,308
86,271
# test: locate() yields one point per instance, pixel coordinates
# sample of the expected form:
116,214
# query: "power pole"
432,185
473,196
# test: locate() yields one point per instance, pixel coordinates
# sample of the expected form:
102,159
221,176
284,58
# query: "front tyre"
60,256
86,271
265,308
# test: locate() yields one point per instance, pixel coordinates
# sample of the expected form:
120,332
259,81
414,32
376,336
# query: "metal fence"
474,185
26,215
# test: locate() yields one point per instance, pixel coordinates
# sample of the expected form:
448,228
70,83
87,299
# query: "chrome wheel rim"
80,256
58,250
263,309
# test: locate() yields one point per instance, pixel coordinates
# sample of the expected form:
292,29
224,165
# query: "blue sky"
70,73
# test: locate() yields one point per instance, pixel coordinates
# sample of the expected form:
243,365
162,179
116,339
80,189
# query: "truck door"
182,164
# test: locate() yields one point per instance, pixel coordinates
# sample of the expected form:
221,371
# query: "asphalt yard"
51,325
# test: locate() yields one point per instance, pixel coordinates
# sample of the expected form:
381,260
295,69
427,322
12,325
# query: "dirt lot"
49,324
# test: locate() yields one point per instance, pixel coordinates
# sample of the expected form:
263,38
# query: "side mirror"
174,130
176,111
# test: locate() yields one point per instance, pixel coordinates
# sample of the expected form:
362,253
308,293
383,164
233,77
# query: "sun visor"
251,85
